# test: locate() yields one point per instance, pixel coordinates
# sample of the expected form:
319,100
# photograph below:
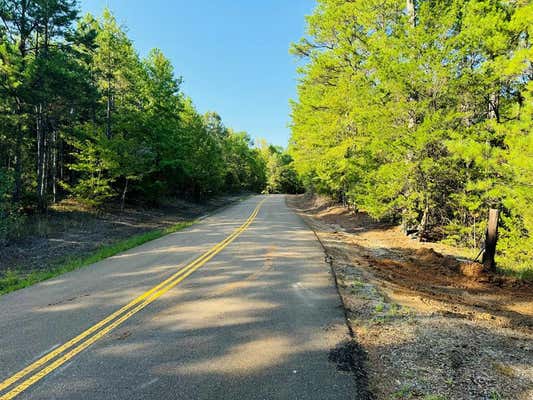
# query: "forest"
150,247
419,113
83,116
416,112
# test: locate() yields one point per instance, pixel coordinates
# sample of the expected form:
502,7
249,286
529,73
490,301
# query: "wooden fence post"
491,237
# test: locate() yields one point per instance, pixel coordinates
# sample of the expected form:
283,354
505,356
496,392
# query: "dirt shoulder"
433,325
70,230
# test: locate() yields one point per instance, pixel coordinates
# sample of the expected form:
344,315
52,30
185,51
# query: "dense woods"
82,115
419,112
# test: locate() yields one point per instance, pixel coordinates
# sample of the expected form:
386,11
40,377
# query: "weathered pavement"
257,321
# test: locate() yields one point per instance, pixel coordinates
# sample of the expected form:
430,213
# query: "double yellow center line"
54,359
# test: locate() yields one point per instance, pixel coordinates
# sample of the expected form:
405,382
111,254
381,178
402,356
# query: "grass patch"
504,370
521,271
379,307
15,280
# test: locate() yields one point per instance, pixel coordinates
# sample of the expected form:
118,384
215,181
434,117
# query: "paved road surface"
256,321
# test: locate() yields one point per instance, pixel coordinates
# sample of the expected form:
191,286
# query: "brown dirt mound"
432,270
432,323
472,269
429,257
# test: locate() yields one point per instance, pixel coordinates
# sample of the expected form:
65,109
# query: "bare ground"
432,324
71,230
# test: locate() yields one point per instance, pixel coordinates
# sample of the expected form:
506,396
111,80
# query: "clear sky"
232,54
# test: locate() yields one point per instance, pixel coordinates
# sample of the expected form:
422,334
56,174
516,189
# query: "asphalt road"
256,319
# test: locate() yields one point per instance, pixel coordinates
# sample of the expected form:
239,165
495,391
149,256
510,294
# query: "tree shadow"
258,321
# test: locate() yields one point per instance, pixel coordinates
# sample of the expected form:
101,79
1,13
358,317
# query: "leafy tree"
281,175
36,78
415,112
245,168
79,107
94,161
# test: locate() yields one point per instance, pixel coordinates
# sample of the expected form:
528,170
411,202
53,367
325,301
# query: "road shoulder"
71,237
447,342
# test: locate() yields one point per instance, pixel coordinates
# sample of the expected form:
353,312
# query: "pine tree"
412,110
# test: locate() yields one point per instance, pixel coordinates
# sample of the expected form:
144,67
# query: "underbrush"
25,222
518,269
514,252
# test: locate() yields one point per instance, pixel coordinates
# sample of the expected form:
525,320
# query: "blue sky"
232,54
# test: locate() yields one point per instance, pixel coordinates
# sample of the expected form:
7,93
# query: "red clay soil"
412,266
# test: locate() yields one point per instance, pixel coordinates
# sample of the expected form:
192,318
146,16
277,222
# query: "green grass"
379,307
15,280
520,271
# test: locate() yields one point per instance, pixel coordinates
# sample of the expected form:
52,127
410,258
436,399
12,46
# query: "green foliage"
100,123
94,162
245,168
282,177
423,117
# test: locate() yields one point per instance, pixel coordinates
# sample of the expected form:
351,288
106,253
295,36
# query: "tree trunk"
17,190
123,199
108,112
46,169
494,106
54,166
422,228
411,13
41,159
491,240
109,102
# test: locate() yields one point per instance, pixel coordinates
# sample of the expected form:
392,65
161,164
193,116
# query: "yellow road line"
128,310
43,360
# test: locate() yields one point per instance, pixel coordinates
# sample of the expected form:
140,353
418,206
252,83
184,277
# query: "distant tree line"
420,112
281,174
81,114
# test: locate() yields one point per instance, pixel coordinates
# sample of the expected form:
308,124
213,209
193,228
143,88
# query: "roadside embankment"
70,236
433,326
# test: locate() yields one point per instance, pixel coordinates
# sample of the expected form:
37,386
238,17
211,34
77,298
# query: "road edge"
349,352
